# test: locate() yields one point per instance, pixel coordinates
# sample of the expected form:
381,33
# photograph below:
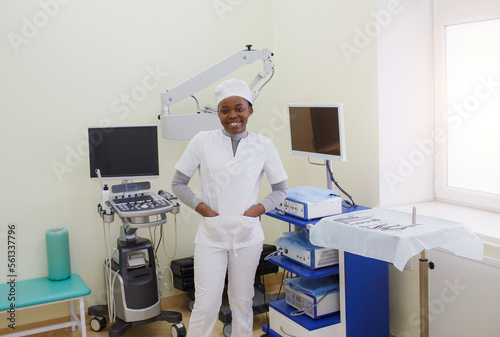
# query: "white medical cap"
232,88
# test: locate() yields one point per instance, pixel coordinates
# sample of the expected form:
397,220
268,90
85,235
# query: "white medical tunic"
230,184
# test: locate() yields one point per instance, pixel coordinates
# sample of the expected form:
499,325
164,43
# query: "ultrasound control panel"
140,204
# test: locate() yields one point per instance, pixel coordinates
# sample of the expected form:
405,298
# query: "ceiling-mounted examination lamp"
185,126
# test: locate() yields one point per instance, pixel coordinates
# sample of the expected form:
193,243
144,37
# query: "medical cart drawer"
286,327
282,323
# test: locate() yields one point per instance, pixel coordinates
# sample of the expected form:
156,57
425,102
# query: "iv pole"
424,266
424,294
423,283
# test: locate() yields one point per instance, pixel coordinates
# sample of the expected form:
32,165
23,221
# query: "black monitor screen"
124,152
317,131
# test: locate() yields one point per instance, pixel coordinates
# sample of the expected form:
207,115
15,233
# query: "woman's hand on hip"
255,211
204,210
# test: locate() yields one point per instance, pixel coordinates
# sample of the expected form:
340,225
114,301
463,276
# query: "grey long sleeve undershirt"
185,194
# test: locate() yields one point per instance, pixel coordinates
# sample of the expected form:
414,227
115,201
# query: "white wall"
68,65
313,67
405,102
404,55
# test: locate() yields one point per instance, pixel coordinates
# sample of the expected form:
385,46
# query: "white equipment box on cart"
316,298
307,202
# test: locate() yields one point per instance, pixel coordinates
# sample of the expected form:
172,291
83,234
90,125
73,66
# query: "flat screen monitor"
317,131
124,153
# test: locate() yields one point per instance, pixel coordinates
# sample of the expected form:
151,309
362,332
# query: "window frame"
443,192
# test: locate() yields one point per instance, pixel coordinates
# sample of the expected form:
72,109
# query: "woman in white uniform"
231,163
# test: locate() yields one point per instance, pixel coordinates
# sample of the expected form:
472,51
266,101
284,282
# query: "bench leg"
80,322
83,322
74,318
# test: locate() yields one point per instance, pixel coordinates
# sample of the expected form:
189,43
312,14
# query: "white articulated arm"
217,72
186,126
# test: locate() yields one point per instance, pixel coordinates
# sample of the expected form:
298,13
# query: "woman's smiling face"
233,114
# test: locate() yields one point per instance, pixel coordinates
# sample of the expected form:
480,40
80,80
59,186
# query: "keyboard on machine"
140,204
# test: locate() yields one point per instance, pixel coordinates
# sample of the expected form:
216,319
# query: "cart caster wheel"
178,330
191,305
98,323
228,328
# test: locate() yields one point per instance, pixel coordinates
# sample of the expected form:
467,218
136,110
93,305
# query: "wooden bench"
42,291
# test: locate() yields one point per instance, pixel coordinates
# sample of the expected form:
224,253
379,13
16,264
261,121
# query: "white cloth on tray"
396,246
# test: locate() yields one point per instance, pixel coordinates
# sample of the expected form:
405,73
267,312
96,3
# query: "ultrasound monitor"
124,153
317,131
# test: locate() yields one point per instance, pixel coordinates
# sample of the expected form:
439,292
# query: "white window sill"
485,224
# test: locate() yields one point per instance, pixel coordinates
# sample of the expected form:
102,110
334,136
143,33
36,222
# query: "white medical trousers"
210,265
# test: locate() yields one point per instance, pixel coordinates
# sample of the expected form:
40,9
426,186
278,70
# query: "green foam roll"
58,260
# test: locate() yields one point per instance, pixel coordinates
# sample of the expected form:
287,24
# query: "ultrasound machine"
125,154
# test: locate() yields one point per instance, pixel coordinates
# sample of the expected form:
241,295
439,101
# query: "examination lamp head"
231,88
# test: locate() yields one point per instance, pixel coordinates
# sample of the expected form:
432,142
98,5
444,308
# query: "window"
467,110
